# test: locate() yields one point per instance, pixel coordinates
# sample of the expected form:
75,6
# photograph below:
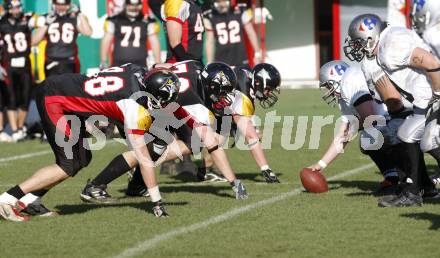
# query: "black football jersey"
61,37
107,93
130,38
229,37
189,14
16,37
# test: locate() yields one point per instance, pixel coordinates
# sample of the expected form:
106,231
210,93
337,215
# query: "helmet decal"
340,70
419,4
368,24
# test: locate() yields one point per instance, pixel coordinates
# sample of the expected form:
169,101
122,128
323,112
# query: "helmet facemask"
133,10
221,93
222,6
330,92
357,49
165,95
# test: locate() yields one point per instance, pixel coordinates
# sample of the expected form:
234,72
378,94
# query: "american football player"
15,31
202,92
61,29
260,84
225,28
64,103
346,87
425,20
184,28
407,67
129,31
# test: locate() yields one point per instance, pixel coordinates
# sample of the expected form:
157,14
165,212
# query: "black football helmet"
61,1
162,87
219,81
9,4
266,82
133,8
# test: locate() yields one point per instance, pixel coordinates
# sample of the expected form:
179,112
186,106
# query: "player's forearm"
105,47
174,32
155,47
253,38
38,36
210,47
246,127
84,26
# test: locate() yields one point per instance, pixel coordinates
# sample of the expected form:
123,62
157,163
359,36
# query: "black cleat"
136,190
159,210
270,176
430,193
96,194
38,209
405,199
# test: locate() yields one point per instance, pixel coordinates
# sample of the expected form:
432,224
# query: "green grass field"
206,221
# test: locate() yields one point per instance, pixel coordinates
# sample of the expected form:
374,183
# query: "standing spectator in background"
224,34
61,29
16,30
184,27
129,31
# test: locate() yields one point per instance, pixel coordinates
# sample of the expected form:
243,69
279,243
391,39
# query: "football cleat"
213,177
38,209
270,176
404,199
435,179
431,193
207,174
136,190
11,213
4,137
159,210
239,190
96,194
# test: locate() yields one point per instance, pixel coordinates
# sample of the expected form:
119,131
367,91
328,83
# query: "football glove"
239,190
159,210
50,18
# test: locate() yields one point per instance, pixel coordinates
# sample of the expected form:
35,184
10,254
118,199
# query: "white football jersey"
431,37
396,45
373,72
353,87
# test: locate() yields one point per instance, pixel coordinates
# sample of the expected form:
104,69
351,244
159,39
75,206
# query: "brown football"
313,181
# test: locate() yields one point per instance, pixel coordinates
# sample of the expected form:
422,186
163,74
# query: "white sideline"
152,242
25,156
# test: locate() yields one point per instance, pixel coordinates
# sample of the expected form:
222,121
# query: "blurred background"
297,36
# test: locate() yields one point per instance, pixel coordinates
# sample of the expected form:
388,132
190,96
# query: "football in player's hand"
313,181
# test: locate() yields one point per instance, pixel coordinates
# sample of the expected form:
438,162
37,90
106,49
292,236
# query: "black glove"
159,210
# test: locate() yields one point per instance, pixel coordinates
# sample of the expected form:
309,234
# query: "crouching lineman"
109,94
263,84
202,93
409,68
347,87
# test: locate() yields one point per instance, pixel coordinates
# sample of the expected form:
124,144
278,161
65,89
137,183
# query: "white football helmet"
363,36
424,14
330,76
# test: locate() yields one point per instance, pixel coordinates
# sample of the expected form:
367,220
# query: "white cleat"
4,137
9,212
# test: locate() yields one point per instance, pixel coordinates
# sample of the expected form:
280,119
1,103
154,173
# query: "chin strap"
433,70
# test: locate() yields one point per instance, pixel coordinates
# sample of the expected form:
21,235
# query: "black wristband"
180,53
433,70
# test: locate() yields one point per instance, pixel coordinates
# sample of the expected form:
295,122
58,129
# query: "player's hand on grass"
159,210
239,190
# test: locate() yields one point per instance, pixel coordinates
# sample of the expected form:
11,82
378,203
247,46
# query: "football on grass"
313,181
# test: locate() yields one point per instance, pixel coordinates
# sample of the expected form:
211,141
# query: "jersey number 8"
104,84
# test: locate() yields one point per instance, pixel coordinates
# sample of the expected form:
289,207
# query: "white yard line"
152,242
25,156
